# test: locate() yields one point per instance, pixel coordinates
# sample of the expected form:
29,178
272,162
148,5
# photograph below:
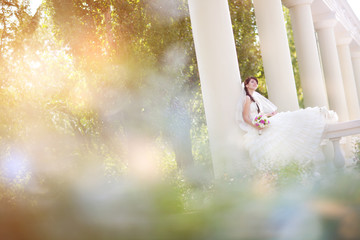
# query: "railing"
335,131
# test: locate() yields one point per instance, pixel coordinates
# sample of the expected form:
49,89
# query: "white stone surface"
347,71
355,57
312,81
331,66
219,77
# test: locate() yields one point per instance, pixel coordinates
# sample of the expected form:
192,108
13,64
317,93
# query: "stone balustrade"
336,131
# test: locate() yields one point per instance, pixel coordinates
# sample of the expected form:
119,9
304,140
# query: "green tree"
99,73
293,56
246,41
152,41
149,50
247,46
17,25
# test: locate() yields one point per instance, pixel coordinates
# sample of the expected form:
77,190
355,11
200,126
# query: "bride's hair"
246,90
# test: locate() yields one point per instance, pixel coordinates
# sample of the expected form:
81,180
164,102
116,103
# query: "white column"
312,81
219,77
355,57
276,54
347,71
331,67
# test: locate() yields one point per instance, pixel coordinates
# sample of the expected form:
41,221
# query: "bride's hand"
271,114
257,127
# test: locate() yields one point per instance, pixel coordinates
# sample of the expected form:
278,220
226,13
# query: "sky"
34,4
355,5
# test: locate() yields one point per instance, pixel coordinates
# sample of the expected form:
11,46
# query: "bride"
289,137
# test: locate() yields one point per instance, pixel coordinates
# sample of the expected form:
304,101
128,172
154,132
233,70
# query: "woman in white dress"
290,137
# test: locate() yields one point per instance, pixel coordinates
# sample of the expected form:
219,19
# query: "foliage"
17,25
293,56
94,70
246,41
247,47
356,152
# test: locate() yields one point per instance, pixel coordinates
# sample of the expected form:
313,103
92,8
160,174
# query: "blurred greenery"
293,56
103,133
106,79
95,206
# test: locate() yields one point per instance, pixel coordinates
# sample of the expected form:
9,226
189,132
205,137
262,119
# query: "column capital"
294,3
327,20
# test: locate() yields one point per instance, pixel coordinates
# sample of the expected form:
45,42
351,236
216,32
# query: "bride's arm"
246,113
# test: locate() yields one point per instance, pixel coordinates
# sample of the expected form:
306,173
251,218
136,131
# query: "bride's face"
252,85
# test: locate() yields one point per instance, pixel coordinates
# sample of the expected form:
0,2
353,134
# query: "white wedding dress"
291,137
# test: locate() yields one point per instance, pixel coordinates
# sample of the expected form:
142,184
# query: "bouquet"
261,121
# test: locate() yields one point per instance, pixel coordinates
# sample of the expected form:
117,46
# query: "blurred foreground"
95,206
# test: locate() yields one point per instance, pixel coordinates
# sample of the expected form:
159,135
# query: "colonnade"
327,41
325,63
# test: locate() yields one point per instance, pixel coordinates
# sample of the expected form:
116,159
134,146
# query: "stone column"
347,71
355,57
331,65
219,77
276,54
312,81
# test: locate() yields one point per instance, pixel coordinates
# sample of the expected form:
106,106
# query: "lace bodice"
253,110
264,104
